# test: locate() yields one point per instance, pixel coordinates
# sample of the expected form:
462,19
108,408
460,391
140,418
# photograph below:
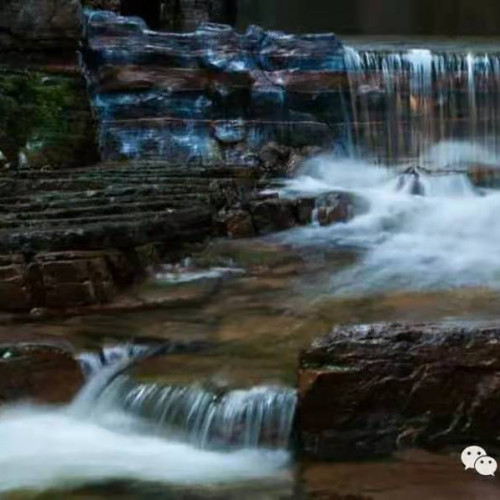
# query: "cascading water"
101,438
443,235
403,102
261,416
425,160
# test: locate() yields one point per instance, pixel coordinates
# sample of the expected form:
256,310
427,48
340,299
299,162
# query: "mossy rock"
47,117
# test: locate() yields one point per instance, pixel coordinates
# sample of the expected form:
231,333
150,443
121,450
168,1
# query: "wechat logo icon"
475,457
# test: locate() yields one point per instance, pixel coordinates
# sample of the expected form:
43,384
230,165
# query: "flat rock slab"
38,372
368,390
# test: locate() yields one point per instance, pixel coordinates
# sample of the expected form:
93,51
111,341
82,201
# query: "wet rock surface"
76,237
185,109
263,215
213,96
483,176
41,372
369,390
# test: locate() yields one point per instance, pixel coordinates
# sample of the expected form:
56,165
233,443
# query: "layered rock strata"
213,96
76,237
179,116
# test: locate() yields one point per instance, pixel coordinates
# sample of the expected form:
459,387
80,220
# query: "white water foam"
450,237
45,448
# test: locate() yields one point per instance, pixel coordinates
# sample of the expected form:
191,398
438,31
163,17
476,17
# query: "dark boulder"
368,390
264,214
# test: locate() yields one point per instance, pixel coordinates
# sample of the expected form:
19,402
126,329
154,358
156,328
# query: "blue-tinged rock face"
211,96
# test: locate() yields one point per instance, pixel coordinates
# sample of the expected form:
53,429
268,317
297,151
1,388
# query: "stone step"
171,228
100,203
102,211
79,221
179,171
111,173
99,183
97,197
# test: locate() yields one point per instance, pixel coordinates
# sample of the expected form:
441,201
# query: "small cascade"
404,102
88,443
94,362
209,419
257,417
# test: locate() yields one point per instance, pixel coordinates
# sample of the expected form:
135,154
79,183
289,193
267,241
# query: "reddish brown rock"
43,373
369,390
75,279
410,475
283,161
333,208
484,175
239,224
72,278
229,95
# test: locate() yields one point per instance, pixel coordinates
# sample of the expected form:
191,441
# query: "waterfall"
259,416
403,102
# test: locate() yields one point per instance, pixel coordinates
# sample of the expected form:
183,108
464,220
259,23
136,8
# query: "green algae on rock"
47,118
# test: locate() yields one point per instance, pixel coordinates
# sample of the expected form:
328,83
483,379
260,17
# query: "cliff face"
213,96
